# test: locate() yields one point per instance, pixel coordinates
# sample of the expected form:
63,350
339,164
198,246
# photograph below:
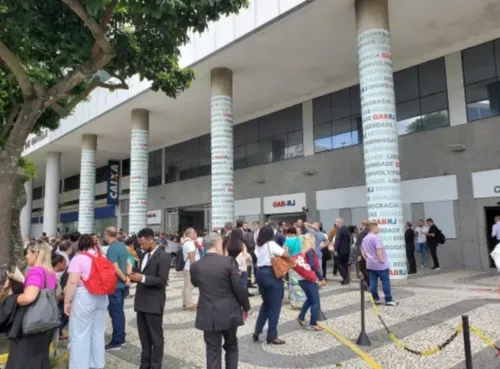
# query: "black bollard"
468,350
363,339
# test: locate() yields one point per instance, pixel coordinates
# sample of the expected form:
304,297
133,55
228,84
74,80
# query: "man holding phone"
150,299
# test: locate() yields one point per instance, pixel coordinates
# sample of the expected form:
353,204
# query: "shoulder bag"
42,315
280,265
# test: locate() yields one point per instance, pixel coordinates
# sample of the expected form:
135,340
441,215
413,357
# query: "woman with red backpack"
91,276
308,267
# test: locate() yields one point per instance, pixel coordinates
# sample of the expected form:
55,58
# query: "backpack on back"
440,237
179,259
102,278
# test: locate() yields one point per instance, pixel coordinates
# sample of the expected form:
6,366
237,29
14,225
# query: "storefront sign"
282,204
113,188
221,109
486,184
87,193
381,156
154,217
139,161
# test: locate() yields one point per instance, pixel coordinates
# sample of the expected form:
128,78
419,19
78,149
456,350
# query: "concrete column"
139,161
308,127
51,198
87,184
221,117
456,90
25,219
381,153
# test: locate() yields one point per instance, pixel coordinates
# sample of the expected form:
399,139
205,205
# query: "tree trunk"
17,258
10,180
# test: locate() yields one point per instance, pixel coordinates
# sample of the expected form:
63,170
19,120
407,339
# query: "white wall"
413,191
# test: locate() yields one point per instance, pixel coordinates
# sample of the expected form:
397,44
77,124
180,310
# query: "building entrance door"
172,220
489,217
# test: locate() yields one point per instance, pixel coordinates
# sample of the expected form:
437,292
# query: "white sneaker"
391,303
421,266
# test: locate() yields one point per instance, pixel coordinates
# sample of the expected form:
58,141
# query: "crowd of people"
225,265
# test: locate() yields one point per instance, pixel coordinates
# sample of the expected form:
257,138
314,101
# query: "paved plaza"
431,305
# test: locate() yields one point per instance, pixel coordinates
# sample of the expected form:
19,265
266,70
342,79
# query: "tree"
53,52
427,122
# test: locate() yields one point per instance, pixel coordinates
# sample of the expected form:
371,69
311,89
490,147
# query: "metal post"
363,339
321,315
468,351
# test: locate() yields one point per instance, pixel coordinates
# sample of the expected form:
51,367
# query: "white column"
25,219
308,127
139,161
221,117
51,198
381,152
87,184
456,90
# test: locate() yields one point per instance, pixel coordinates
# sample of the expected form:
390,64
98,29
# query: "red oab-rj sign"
283,203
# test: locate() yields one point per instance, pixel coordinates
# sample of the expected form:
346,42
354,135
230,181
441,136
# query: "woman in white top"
237,249
270,288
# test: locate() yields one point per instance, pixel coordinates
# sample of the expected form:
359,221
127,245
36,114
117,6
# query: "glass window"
321,109
323,140
274,137
344,127
481,68
37,193
101,174
340,104
72,183
154,168
126,168
295,147
406,84
421,97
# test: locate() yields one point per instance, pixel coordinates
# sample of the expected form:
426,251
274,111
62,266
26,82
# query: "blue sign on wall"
99,213
113,189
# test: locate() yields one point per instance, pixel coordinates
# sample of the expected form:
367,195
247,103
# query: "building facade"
301,134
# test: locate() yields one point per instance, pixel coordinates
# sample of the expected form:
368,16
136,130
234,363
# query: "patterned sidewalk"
431,305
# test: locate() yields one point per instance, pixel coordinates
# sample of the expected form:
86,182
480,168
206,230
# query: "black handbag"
42,315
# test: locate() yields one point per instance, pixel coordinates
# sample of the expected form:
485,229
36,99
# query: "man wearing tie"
150,299
223,304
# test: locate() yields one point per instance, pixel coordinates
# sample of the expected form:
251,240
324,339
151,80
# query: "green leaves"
51,40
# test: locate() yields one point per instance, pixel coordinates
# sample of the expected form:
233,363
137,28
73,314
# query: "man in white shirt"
421,240
495,230
190,254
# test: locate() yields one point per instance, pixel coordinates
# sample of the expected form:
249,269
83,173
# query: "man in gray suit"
223,304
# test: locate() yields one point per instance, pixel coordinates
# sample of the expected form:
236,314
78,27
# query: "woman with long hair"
270,288
87,312
237,249
293,245
33,351
310,287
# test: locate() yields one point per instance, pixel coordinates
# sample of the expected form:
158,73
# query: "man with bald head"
118,255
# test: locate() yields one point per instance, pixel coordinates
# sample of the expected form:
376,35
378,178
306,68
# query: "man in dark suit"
223,304
150,297
342,249
410,248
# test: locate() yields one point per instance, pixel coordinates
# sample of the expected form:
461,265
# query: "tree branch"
73,79
17,69
104,24
9,123
91,24
65,111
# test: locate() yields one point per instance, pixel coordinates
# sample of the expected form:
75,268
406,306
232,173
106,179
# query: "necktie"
146,260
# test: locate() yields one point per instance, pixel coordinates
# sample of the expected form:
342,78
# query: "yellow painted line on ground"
353,347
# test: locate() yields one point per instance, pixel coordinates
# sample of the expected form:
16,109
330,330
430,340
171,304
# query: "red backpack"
303,268
102,278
